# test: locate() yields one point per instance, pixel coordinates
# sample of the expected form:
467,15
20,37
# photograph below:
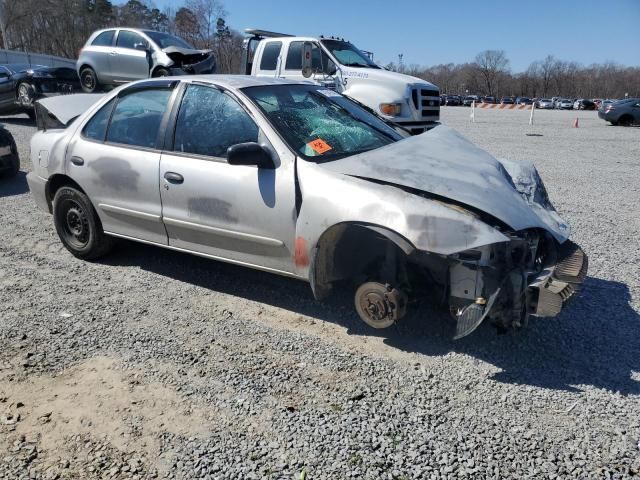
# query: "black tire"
25,94
161,72
7,139
78,225
89,80
625,120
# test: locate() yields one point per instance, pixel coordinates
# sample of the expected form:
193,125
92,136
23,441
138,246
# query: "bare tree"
491,64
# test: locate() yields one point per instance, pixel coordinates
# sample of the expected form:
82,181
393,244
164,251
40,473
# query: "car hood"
443,163
185,51
385,76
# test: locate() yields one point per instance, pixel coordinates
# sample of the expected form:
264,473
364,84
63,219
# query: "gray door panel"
128,65
235,212
122,184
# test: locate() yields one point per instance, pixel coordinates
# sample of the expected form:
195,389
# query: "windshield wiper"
357,65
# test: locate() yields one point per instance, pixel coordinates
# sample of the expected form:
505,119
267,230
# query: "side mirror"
249,153
330,68
307,60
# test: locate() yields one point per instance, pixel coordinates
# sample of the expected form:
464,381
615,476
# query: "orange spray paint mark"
301,254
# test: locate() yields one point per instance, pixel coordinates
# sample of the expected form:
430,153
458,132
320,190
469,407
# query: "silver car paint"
114,64
331,194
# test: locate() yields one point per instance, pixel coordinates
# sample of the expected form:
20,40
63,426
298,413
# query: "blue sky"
429,32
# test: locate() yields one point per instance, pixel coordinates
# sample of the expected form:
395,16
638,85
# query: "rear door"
115,158
269,59
242,213
99,54
132,57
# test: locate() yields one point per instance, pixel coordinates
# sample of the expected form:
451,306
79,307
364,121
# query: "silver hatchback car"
119,55
296,179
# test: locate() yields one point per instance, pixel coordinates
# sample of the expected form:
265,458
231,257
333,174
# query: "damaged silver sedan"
298,180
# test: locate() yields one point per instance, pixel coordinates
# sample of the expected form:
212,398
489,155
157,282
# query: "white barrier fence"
14,56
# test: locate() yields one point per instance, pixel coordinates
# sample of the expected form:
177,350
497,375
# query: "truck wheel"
89,80
6,139
78,225
380,306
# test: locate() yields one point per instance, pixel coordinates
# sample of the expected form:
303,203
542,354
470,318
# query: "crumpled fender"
527,182
330,199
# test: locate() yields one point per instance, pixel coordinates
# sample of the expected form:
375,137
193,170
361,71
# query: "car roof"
225,81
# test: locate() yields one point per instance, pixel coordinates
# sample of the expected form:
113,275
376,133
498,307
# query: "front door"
7,89
131,59
240,213
116,163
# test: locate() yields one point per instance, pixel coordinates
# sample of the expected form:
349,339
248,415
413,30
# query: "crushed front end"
531,274
191,62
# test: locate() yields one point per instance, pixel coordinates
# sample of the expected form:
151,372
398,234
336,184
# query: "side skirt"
211,257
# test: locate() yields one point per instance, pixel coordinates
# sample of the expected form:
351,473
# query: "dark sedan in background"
21,85
623,112
584,104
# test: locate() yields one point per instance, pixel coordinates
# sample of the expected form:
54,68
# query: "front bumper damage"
530,276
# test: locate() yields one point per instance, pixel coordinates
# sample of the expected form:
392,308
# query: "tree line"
61,27
489,74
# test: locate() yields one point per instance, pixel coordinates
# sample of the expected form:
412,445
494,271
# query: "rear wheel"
625,120
78,225
89,80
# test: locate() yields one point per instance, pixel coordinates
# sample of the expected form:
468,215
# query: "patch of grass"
355,460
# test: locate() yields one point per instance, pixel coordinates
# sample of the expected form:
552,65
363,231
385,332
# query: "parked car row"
540,103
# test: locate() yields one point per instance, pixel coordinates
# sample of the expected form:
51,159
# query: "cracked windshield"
321,124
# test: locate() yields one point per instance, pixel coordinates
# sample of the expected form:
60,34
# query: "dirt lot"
155,364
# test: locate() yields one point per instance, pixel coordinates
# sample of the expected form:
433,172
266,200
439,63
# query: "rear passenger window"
137,117
96,128
270,56
210,121
294,56
104,39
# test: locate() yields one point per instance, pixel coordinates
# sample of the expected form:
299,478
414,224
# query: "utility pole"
3,24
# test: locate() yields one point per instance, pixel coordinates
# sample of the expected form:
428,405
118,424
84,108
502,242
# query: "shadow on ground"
596,341
13,186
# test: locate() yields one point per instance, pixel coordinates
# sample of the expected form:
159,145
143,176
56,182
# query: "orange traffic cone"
575,123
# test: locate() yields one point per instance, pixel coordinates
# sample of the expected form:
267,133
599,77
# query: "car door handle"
173,177
77,161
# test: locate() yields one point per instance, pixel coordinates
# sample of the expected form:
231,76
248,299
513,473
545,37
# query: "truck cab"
337,64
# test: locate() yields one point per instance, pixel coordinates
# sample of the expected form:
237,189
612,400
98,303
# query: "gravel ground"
155,364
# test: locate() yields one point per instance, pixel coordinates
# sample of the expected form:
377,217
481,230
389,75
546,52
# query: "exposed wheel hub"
76,225
380,306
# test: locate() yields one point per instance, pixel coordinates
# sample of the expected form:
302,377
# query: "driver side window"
210,121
